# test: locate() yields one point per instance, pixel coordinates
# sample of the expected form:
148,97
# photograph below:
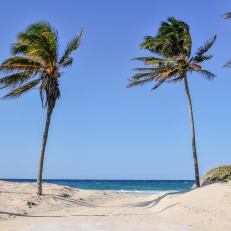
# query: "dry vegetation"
221,174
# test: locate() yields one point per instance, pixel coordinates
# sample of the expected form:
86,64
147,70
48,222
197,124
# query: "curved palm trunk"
42,152
193,132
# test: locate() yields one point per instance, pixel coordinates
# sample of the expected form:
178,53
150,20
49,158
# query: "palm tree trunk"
193,132
42,152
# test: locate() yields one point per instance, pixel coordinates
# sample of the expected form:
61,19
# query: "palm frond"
145,69
158,62
15,80
20,63
150,59
168,74
159,46
141,82
33,44
185,43
40,39
18,48
157,66
158,84
177,79
226,15
49,35
22,89
208,75
206,46
176,35
201,58
155,70
140,76
160,77
228,64
68,62
71,46
195,67
183,24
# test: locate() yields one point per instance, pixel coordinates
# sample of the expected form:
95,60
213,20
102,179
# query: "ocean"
123,186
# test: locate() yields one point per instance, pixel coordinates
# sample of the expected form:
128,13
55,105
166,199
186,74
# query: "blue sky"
100,129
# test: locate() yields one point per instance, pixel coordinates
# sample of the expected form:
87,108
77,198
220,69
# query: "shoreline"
121,186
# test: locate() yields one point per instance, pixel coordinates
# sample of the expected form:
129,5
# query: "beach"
205,208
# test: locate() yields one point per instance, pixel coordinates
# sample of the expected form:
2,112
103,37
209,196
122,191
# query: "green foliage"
221,173
172,45
36,63
71,46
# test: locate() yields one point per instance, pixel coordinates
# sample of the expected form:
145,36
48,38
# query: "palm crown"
39,65
172,45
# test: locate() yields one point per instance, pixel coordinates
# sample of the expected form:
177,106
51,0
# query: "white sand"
206,208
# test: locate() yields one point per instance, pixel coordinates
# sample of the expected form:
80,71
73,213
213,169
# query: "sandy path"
105,226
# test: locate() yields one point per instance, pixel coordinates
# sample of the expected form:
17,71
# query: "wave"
144,192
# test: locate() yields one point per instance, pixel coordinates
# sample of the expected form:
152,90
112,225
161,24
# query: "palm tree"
35,64
172,47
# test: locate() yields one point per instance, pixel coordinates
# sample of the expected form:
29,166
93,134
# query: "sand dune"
206,208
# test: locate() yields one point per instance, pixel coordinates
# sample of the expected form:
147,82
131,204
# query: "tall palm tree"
172,47
35,64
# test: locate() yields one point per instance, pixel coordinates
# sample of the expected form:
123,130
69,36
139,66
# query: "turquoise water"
127,186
